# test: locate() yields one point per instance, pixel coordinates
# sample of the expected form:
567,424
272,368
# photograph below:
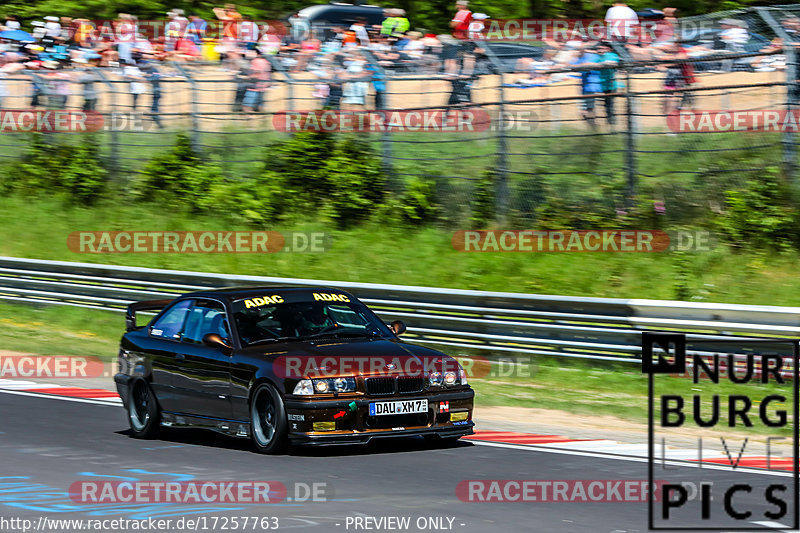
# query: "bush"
49,167
482,205
761,214
178,178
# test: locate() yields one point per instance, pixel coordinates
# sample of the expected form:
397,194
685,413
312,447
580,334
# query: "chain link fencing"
544,142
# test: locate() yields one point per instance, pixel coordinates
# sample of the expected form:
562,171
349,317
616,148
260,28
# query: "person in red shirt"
461,20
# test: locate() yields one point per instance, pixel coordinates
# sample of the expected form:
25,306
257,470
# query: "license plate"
403,407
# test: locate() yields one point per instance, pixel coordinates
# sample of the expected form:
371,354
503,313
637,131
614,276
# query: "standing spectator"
680,76
258,83
87,79
622,22
152,75
734,34
59,89
230,19
476,26
378,83
136,79
52,28
402,23
12,23
241,77
359,27
390,22
590,85
608,79
461,20
196,29
355,92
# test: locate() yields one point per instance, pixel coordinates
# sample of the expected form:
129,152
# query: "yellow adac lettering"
277,299
318,296
249,303
259,301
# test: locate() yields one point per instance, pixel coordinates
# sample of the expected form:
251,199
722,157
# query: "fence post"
788,137
195,112
501,192
789,42
113,149
501,172
630,136
386,135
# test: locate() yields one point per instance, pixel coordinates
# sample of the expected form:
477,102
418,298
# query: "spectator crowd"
351,61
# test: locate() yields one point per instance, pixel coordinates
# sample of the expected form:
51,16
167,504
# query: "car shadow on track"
201,437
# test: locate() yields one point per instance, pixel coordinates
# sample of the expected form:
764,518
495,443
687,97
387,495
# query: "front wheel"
268,426
144,416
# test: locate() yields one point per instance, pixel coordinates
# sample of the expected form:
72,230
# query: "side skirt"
234,428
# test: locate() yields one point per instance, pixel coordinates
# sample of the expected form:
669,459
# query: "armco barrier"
589,328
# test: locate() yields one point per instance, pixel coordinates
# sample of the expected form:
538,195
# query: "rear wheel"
144,416
268,426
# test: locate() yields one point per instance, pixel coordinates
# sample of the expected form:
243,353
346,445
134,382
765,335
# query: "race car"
285,366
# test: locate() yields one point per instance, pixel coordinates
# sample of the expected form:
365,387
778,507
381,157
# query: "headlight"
325,386
450,378
435,379
303,388
344,384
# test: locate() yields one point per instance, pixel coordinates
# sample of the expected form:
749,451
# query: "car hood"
359,357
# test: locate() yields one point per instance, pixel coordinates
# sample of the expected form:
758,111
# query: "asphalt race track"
48,444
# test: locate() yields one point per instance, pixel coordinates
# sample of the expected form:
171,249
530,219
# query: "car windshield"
304,320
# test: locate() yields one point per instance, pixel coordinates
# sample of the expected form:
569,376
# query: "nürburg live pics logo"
723,433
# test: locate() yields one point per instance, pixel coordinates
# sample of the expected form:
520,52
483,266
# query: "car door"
164,335
202,376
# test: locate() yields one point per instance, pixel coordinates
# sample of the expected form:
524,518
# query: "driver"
314,319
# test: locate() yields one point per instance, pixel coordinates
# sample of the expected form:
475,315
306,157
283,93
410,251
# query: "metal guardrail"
588,328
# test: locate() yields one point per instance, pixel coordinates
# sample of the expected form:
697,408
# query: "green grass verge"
379,254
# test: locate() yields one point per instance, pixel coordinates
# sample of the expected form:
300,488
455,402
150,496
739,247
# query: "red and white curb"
60,391
605,447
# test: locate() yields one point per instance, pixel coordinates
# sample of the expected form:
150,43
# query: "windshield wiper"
273,339
342,333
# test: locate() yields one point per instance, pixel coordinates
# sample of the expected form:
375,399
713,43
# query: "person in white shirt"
622,22
52,28
734,33
360,29
12,23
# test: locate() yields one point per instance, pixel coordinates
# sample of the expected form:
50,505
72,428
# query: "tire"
144,415
268,423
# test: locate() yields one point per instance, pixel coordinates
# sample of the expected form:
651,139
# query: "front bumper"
123,382
353,424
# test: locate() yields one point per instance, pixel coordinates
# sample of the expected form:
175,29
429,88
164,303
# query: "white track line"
114,402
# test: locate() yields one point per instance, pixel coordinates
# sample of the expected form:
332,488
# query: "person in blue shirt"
378,83
590,85
608,78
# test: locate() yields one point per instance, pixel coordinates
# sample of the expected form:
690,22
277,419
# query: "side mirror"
214,340
398,327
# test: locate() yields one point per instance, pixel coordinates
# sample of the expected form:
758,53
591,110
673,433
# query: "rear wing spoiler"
148,305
